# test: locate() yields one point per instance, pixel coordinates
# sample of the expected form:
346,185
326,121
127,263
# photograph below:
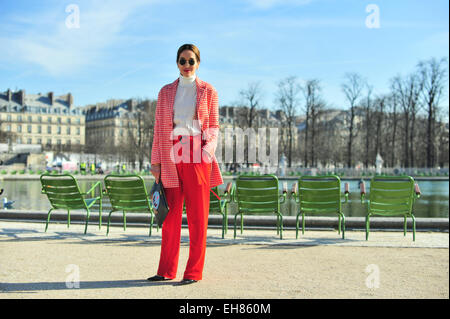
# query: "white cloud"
60,50
267,4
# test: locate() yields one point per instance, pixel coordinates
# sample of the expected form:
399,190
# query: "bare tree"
140,128
393,106
367,124
313,106
379,106
251,101
433,75
287,98
408,91
352,89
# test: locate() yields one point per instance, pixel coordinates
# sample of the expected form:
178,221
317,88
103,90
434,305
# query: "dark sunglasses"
183,61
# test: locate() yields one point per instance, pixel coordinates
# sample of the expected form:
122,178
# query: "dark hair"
191,47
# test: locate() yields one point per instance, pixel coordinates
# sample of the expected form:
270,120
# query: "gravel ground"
64,263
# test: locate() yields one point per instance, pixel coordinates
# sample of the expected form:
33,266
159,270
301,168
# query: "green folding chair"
219,204
128,193
63,192
256,195
391,196
319,194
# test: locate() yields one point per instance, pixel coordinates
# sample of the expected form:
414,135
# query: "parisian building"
46,119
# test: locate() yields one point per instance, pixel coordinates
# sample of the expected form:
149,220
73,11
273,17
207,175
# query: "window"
8,128
49,129
8,118
58,130
58,120
39,119
78,131
19,129
39,129
58,142
49,141
19,118
39,141
68,130
28,140
49,119
68,120
29,130
30,119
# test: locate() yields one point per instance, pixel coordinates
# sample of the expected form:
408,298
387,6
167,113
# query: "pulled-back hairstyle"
191,47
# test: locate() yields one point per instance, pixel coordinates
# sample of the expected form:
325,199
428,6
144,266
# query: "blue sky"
125,49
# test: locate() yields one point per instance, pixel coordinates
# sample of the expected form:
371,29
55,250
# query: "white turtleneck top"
185,107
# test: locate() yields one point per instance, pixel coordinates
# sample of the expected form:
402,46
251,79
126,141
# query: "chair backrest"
391,195
320,193
62,191
127,192
257,194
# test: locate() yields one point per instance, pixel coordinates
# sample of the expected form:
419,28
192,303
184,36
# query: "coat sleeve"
212,132
155,156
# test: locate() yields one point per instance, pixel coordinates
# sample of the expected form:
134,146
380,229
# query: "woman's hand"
206,158
155,169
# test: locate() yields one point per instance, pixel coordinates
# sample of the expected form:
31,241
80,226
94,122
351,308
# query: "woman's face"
187,69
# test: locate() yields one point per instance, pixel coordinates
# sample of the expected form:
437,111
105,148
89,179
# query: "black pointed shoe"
158,278
186,282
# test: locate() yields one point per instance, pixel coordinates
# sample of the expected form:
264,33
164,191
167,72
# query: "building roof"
19,101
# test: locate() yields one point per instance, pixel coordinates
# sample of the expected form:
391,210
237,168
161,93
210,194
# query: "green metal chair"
220,205
391,196
258,194
319,194
127,193
63,192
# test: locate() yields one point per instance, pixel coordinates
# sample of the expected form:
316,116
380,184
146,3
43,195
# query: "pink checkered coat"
208,116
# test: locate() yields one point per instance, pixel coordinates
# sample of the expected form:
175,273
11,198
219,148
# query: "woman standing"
184,143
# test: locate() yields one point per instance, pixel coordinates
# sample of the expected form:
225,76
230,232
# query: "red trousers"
194,193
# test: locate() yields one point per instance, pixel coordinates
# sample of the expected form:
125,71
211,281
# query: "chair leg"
100,215
303,223
48,219
87,221
124,221
242,224
367,226
223,225
405,222
339,223
414,227
281,225
226,218
235,220
151,224
343,226
68,218
296,226
109,219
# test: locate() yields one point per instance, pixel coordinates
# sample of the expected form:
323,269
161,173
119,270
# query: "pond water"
434,201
